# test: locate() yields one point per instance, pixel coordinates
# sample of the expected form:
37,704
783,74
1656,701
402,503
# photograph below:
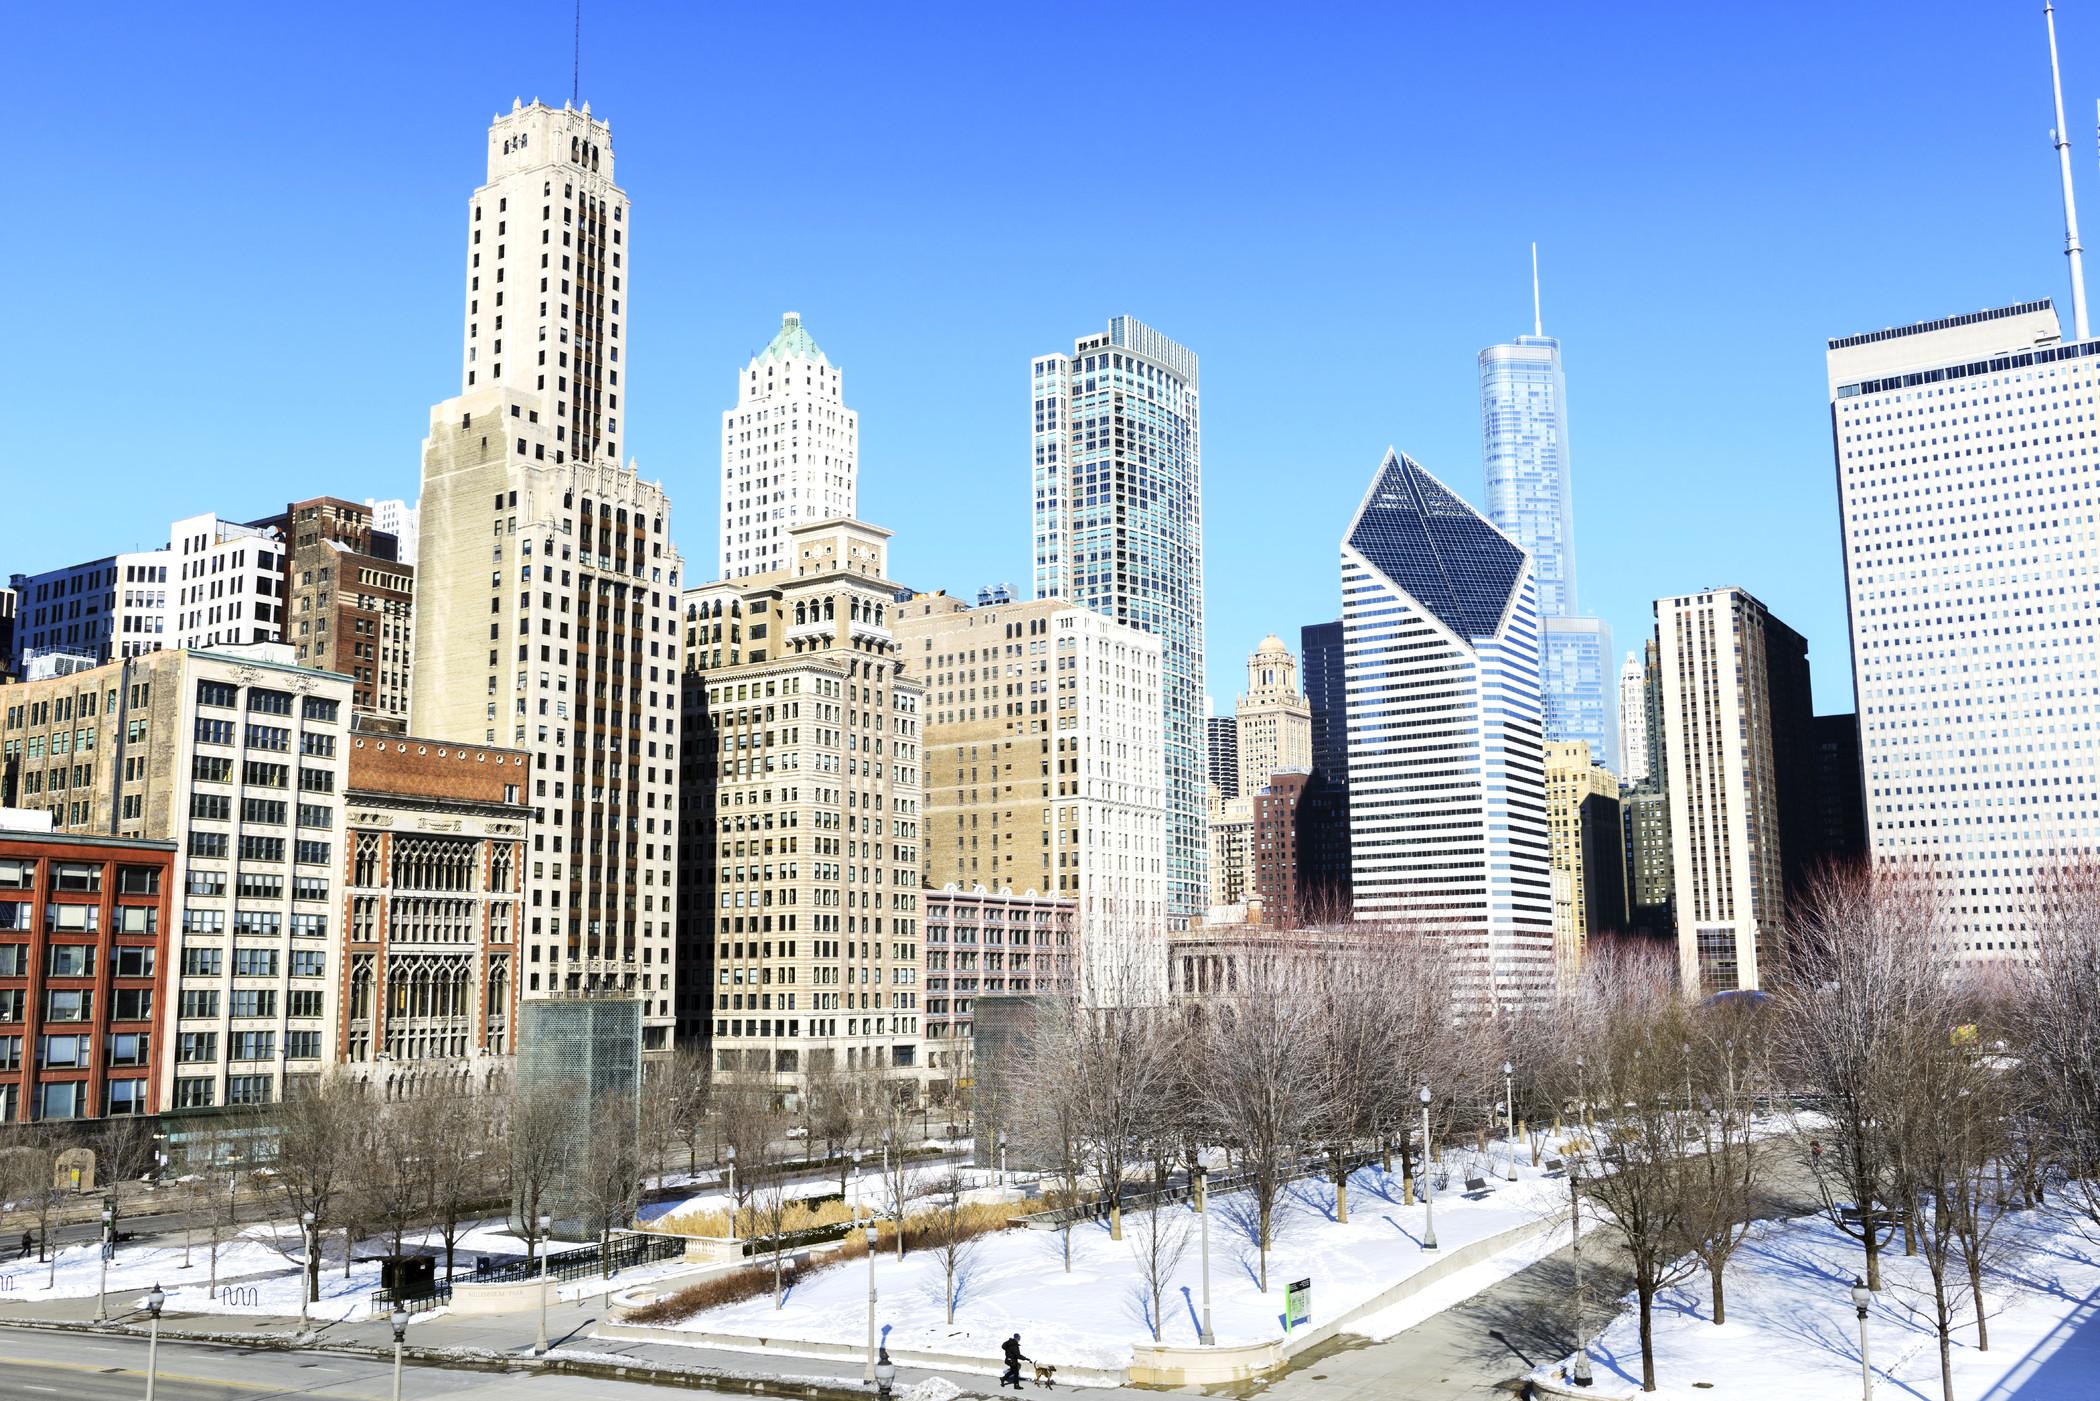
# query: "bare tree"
835,1111
953,1240
29,1174
536,1144
1260,1090
612,1171
1159,1242
676,1097
1639,1171
1044,1105
1119,1041
1860,970
319,1126
393,1180
462,1164
749,1122
1725,1169
2056,1035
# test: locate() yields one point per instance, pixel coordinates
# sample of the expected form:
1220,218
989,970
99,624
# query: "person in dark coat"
28,1244
1014,1358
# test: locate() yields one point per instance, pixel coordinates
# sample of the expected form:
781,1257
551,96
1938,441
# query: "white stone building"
226,583
1633,720
1968,458
790,452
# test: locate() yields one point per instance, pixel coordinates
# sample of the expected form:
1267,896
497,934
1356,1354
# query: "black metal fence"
625,1252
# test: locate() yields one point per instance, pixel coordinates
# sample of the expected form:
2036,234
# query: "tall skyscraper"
1447,783
1274,719
551,173
1118,488
1967,496
1222,734
790,452
531,527
1633,720
1736,713
1589,854
1524,450
1323,812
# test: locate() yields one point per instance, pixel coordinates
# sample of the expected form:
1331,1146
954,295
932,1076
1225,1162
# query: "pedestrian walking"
28,1244
1014,1358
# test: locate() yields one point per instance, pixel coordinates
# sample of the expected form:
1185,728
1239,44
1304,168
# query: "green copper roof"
792,341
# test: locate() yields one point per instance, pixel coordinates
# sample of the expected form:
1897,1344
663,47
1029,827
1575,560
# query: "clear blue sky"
235,245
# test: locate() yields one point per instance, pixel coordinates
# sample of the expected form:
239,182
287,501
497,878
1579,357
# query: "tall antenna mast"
2063,159
576,68
1538,327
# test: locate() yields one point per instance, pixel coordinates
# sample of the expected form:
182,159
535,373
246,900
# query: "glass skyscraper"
1118,478
1524,450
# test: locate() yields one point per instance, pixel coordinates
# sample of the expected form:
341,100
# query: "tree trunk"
1647,1295
1713,1271
1115,1217
1983,1331
1873,1244
1068,1247
1341,1189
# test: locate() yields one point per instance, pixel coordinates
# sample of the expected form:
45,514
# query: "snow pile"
1091,1314
1791,1329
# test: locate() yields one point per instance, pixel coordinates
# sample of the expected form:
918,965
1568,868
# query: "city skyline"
1665,507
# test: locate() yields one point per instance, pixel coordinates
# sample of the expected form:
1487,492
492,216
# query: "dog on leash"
1045,1375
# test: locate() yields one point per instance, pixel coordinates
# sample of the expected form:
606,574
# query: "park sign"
1297,1304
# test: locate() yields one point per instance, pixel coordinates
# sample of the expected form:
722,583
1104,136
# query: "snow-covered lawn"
1092,1314
1791,1329
258,1271
865,1190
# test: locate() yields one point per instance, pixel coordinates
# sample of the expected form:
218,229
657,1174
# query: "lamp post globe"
1861,1298
399,1318
156,1299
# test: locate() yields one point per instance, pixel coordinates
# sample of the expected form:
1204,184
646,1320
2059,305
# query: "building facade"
1736,713
1118,502
107,608
803,734
1231,849
1274,719
397,518
1222,732
433,909
1275,850
790,452
236,757
1633,721
1045,761
1589,858
1447,784
84,938
987,943
1972,570
530,527
1323,820
1840,832
227,582
350,603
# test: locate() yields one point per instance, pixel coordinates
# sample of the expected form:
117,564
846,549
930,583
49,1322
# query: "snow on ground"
1090,1315
1791,1329
865,1190
258,1271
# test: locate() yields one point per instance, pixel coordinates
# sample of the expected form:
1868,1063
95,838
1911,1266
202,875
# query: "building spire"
1538,327
2063,160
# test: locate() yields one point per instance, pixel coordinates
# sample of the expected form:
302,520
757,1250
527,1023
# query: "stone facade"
989,943
432,910
1575,788
349,603
1274,718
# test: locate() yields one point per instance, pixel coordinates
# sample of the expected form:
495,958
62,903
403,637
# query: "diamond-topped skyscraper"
1118,500
790,452
1524,452
1447,772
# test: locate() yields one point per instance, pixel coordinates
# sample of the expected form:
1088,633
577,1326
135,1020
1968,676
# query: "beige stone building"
237,756
802,802
1044,762
1231,849
1571,782
546,581
1275,719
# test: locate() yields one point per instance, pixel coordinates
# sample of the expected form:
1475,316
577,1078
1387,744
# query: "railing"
627,1250
412,1301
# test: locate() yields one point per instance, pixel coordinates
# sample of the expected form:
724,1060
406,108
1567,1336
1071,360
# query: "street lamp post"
399,1319
156,1299
109,1244
1428,1206
1582,1338
1204,1335
731,1154
306,1279
1002,1160
1861,1297
885,1374
539,1348
1509,1112
868,1375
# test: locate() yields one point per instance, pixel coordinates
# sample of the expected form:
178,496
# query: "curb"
646,1373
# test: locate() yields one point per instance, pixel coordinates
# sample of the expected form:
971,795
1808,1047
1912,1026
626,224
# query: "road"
71,1367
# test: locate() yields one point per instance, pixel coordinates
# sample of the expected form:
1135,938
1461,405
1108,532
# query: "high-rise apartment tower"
790,452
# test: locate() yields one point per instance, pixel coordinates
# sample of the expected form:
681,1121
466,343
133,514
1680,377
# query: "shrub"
748,1282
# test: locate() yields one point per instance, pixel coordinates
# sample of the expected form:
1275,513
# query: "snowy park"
1792,1329
1091,1311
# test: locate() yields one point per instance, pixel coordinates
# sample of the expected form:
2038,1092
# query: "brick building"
349,598
83,954
1275,850
435,836
993,943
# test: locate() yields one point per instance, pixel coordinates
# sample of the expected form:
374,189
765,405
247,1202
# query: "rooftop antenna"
2063,159
576,67
1538,327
